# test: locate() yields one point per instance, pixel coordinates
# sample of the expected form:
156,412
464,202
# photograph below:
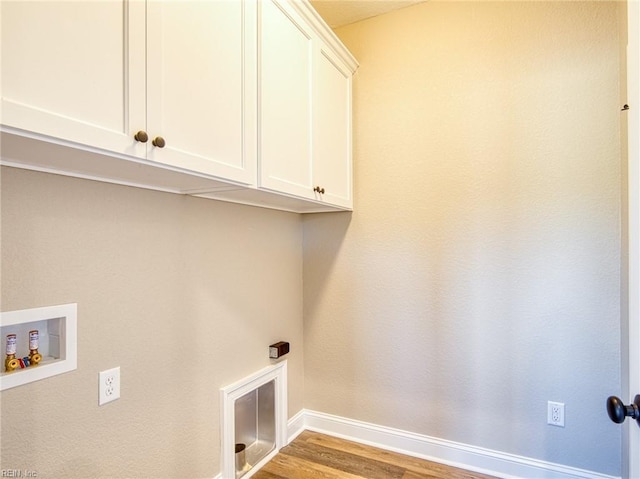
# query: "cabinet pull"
317,189
141,136
158,141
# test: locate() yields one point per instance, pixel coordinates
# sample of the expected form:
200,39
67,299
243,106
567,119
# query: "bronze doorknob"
317,189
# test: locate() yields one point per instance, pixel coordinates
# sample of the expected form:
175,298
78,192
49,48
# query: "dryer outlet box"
278,349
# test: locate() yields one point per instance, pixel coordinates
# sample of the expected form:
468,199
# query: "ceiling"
343,12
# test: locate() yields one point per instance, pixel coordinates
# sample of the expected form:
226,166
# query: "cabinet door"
201,96
74,71
285,85
332,130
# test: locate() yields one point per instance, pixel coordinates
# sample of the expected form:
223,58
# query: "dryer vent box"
278,349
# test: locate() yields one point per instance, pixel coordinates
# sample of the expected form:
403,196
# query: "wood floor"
317,456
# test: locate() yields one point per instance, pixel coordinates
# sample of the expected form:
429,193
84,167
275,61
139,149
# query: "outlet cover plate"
555,413
109,387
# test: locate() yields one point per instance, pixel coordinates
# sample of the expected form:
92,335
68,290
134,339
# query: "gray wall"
478,276
184,294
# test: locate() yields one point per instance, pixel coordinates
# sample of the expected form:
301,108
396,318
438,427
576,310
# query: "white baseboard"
486,461
296,425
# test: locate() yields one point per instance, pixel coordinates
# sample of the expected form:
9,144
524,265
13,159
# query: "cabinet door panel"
200,65
332,130
65,71
285,61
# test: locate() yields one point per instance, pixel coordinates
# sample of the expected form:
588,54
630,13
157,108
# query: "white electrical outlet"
109,388
555,413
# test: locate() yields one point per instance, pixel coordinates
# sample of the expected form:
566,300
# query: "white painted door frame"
631,363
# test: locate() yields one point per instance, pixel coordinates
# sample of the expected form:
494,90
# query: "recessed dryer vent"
254,421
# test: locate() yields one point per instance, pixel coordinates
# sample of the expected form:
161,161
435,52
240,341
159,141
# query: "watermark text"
18,473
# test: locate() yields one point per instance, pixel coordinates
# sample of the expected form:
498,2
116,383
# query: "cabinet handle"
317,189
141,136
158,141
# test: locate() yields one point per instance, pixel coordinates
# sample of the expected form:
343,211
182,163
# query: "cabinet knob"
317,189
158,141
141,136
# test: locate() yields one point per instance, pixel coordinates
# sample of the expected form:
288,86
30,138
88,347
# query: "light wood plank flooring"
317,456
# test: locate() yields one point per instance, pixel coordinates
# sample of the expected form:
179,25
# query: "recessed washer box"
58,342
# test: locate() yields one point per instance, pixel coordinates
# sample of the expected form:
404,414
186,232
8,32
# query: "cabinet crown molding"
324,31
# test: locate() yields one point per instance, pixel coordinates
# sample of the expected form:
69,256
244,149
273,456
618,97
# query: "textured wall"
184,294
478,276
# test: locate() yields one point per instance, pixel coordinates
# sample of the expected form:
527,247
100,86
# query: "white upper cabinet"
305,108
97,73
67,74
201,94
246,101
332,146
286,83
